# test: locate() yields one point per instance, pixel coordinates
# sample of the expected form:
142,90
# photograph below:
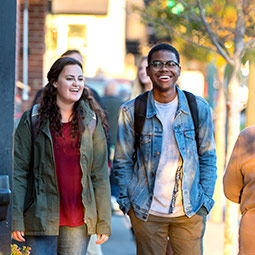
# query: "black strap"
139,116
194,112
34,116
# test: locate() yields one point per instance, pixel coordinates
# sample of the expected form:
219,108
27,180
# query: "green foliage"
176,8
193,52
221,26
249,56
15,250
170,3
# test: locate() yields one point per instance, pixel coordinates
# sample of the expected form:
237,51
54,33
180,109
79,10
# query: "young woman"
70,178
142,83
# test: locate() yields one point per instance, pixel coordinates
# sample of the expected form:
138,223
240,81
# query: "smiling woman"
71,183
69,85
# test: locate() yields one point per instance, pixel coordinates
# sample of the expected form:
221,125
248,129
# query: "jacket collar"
88,113
182,103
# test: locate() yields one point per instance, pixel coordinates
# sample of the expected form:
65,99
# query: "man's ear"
180,69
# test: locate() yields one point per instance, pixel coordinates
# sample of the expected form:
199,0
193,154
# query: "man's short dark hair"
163,46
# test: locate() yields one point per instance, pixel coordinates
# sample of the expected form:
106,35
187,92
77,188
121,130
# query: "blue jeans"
42,245
71,240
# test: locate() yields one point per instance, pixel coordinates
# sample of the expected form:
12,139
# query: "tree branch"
213,37
224,47
186,38
250,44
175,32
239,31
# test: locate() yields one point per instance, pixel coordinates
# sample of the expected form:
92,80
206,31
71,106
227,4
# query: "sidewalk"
213,239
121,241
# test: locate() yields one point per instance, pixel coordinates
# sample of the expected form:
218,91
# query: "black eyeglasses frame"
164,63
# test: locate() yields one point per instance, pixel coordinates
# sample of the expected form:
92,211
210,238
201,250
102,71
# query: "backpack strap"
194,111
139,116
34,115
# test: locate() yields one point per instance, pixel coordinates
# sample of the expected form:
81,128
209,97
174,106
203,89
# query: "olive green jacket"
42,217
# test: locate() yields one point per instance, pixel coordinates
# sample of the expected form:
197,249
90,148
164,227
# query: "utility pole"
7,87
25,52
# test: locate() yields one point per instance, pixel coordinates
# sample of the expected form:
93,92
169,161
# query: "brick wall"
36,40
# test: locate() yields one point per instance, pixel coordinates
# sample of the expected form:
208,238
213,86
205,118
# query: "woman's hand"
18,235
102,239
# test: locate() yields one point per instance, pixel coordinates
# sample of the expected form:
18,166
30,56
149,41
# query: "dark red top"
69,174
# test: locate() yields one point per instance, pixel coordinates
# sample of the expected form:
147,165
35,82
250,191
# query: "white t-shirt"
168,164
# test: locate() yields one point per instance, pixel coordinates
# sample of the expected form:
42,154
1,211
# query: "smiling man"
166,177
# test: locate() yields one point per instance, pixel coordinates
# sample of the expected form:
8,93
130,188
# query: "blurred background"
216,41
111,37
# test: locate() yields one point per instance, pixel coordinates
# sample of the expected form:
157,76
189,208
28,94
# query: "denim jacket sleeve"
206,153
123,158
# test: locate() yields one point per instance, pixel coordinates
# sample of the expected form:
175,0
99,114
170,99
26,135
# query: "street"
121,241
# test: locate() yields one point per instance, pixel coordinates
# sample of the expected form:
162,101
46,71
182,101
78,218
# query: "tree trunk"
250,116
232,210
220,138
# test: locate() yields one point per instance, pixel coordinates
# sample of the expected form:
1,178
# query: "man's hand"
102,239
18,235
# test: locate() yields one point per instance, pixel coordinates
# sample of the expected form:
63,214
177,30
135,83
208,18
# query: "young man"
166,182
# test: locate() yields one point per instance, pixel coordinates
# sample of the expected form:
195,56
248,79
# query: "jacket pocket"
145,139
145,148
190,143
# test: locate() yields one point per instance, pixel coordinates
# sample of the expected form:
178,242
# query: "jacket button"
157,153
152,174
144,217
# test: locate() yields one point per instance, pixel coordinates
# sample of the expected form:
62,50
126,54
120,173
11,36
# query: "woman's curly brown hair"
49,110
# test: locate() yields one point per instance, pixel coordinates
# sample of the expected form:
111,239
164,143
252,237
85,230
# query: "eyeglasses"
157,65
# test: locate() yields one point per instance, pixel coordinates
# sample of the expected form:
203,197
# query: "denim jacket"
136,179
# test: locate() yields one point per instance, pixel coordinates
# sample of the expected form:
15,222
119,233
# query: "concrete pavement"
121,241
214,239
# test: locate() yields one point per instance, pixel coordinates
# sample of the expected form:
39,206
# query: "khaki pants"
186,234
